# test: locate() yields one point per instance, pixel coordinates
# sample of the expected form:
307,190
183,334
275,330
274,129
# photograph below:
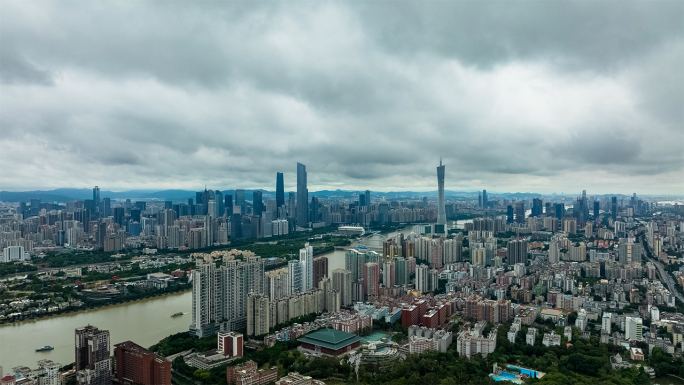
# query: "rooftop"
330,338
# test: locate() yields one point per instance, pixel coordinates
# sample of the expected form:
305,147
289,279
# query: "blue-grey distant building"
240,201
302,197
228,204
220,204
257,203
280,190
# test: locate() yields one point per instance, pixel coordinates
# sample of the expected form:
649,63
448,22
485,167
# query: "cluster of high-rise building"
240,295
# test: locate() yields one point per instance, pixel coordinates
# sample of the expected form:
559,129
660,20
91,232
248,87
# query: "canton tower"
441,212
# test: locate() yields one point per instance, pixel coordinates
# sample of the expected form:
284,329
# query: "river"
144,322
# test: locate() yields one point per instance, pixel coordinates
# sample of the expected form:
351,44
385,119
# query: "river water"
144,322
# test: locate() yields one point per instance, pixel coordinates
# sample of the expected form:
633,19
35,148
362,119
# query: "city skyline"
521,100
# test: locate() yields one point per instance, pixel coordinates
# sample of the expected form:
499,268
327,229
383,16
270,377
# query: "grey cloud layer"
514,96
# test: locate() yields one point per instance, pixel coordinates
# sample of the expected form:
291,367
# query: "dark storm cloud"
597,35
512,95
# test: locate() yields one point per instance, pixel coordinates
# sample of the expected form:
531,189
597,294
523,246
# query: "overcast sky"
531,96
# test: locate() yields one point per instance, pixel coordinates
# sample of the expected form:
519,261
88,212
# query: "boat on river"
177,314
44,348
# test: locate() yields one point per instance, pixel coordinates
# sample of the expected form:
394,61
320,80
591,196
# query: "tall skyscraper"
560,210
208,231
367,197
302,197
441,209
220,204
292,203
191,207
383,213
228,204
485,202
280,190
581,210
257,203
313,209
362,200
596,209
537,207
240,201
520,212
509,214
613,202
106,207
92,356
96,196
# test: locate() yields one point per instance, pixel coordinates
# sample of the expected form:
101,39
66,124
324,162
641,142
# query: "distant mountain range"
69,194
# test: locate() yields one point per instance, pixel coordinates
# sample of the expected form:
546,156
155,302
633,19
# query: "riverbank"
144,321
73,311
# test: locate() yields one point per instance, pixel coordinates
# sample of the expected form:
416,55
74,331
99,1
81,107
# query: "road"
665,277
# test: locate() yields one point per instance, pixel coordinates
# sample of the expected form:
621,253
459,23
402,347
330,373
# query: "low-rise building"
515,328
551,339
295,378
248,373
472,341
636,354
422,339
330,342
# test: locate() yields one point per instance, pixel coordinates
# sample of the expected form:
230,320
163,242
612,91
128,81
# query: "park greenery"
7,268
585,361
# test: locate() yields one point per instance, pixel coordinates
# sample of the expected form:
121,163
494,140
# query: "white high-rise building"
388,273
174,237
452,250
633,326
606,323
306,260
208,231
554,252
422,278
14,253
277,284
294,272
